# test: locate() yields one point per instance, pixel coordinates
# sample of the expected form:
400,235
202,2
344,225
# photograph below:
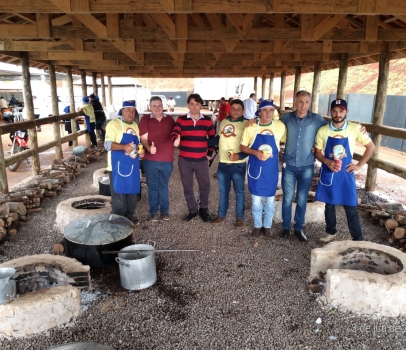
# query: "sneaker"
218,220
153,217
327,238
239,223
165,216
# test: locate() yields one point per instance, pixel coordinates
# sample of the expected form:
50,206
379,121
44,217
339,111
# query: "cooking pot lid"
99,229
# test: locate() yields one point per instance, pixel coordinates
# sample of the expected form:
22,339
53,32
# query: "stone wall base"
39,311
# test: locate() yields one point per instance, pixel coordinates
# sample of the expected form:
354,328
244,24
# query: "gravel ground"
236,293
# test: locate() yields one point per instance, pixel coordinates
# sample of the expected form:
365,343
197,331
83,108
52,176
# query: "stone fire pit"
79,207
362,276
49,294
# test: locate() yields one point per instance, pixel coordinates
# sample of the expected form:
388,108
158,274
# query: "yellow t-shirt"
89,111
230,138
352,132
276,127
114,132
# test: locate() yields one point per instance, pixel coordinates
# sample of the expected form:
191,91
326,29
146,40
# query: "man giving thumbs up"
155,130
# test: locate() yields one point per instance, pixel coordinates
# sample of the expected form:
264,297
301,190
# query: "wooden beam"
377,120
371,28
306,27
342,77
327,24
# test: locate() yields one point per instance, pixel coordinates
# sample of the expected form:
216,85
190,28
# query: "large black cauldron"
86,238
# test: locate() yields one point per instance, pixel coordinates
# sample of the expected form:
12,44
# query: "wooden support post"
316,87
342,77
263,86
29,107
298,73
283,88
103,90
94,82
110,88
71,103
83,80
379,111
55,111
256,86
3,173
271,78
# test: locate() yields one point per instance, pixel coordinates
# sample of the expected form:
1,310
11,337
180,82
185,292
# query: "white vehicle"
164,101
212,89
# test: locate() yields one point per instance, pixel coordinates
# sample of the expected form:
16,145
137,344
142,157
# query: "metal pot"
137,270
104,186
86,238
8,288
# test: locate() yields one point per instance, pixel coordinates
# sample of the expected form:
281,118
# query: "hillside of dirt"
361,79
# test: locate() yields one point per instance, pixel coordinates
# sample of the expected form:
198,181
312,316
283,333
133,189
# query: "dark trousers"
201,169
101,127
36,116
352,220
92,134
122,204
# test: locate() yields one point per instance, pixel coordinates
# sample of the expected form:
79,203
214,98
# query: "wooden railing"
6,129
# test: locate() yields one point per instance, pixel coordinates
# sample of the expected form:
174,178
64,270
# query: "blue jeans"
227,173
352,221
157,175
257,208
303,177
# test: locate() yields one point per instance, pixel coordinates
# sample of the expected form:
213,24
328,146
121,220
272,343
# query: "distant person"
335,145
36,110
228,107
250,107
68,124
3,103
171,104
191,134
222,114
155,130
99,115
90,119
13,100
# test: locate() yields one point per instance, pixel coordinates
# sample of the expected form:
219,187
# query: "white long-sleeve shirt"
250,107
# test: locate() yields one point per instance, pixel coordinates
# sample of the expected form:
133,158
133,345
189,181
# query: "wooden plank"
327,24
18,31
166,23
181,26
371,28
113,25
80,6
61,20
44,25
64,5
93,24
306,26
168,5
182,6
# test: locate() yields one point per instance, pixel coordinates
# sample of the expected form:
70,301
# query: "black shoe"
300,236
285,233
190,216
204,214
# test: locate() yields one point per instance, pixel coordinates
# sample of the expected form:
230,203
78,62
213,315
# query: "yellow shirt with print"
276,127
89,111
352,132
114,133
230,137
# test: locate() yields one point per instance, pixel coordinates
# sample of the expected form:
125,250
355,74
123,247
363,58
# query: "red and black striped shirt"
193,137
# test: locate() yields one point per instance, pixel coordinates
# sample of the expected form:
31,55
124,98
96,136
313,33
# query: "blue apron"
87,121
125,168
337,187
263,175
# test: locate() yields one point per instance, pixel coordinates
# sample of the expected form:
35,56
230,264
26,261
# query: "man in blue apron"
122,142
335,145
261,142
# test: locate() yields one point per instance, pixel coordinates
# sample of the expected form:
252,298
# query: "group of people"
306,136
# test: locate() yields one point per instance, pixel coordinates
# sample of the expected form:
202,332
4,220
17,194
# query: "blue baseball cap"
261,99
127,104
264,104
339,103
85,99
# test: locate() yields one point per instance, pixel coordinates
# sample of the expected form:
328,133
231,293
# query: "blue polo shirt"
301,133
